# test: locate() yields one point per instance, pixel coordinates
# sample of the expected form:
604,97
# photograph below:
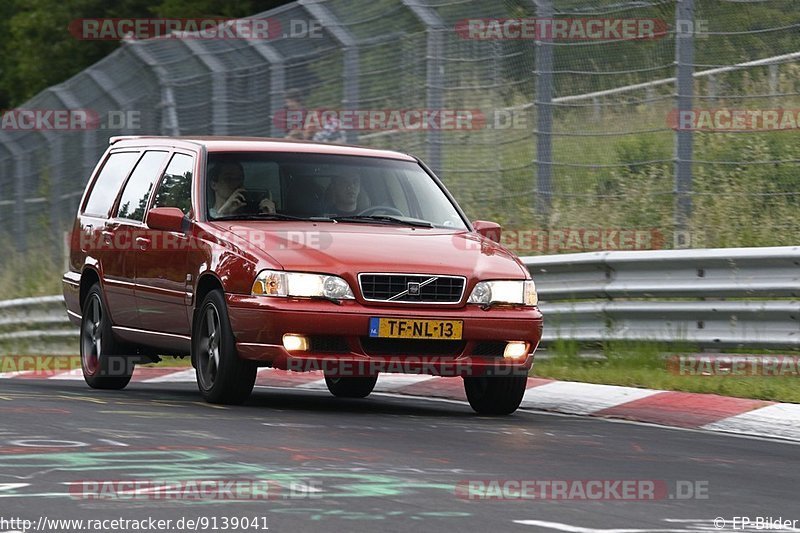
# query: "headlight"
279,283
519,292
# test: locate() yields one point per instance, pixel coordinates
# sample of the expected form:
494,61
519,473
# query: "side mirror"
166,219
490,230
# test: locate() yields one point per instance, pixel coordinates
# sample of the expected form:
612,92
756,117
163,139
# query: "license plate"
413,328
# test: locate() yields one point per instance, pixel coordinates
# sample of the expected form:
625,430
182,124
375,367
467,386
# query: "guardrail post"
684,58
544,111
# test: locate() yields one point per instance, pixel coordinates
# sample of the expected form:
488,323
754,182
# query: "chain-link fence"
588,124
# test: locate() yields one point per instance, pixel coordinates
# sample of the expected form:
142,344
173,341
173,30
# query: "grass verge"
645,366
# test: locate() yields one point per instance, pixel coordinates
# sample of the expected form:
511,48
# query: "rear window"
104,192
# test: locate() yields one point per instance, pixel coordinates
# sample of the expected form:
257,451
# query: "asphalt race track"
385,463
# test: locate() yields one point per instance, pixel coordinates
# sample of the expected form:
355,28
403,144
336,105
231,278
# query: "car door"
99,243
123,231
163,292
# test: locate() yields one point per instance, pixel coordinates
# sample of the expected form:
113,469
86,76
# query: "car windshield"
352,189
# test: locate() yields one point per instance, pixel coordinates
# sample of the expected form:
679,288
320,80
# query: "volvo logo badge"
413,288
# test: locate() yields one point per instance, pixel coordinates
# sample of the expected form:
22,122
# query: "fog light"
296,343
515,350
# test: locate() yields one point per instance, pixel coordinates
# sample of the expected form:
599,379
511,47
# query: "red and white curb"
668,408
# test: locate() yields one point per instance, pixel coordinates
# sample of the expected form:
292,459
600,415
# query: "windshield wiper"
267,216
385,219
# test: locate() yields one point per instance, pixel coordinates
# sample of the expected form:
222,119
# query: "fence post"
20,215
684,58
773,79
169,115
20,237
544,111
351,67
56,142
219,84
435,29
277,83
68,99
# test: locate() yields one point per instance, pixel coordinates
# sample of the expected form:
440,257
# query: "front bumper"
259,324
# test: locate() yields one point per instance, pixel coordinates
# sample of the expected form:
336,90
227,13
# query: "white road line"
558,526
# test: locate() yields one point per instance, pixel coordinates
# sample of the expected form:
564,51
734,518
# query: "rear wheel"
351,387
222,376
495,395
102,361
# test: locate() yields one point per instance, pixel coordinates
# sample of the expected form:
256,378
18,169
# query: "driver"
343,197
227,184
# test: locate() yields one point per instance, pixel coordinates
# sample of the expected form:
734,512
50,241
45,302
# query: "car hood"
345,248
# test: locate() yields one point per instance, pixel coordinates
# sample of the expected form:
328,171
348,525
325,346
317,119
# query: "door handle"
142,242
85,241
107,235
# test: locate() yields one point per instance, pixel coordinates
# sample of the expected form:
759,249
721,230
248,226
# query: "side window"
114,171
137,191
176,187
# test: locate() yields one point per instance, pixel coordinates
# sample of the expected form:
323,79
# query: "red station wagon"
246,252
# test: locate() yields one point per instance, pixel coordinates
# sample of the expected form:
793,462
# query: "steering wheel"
389,210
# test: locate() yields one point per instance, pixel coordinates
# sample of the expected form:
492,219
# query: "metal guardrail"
719,297
36,325
716,297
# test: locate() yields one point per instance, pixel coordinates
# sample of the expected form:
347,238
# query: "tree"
40,51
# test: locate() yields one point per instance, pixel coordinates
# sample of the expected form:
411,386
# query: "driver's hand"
266,206
234,202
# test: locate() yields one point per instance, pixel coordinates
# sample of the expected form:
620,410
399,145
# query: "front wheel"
351,387
222,376
495,395
103,364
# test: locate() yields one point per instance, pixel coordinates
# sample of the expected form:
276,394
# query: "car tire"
103,362
351,387
222,376
495,395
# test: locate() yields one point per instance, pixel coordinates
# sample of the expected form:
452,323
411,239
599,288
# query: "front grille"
412,288
377,346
